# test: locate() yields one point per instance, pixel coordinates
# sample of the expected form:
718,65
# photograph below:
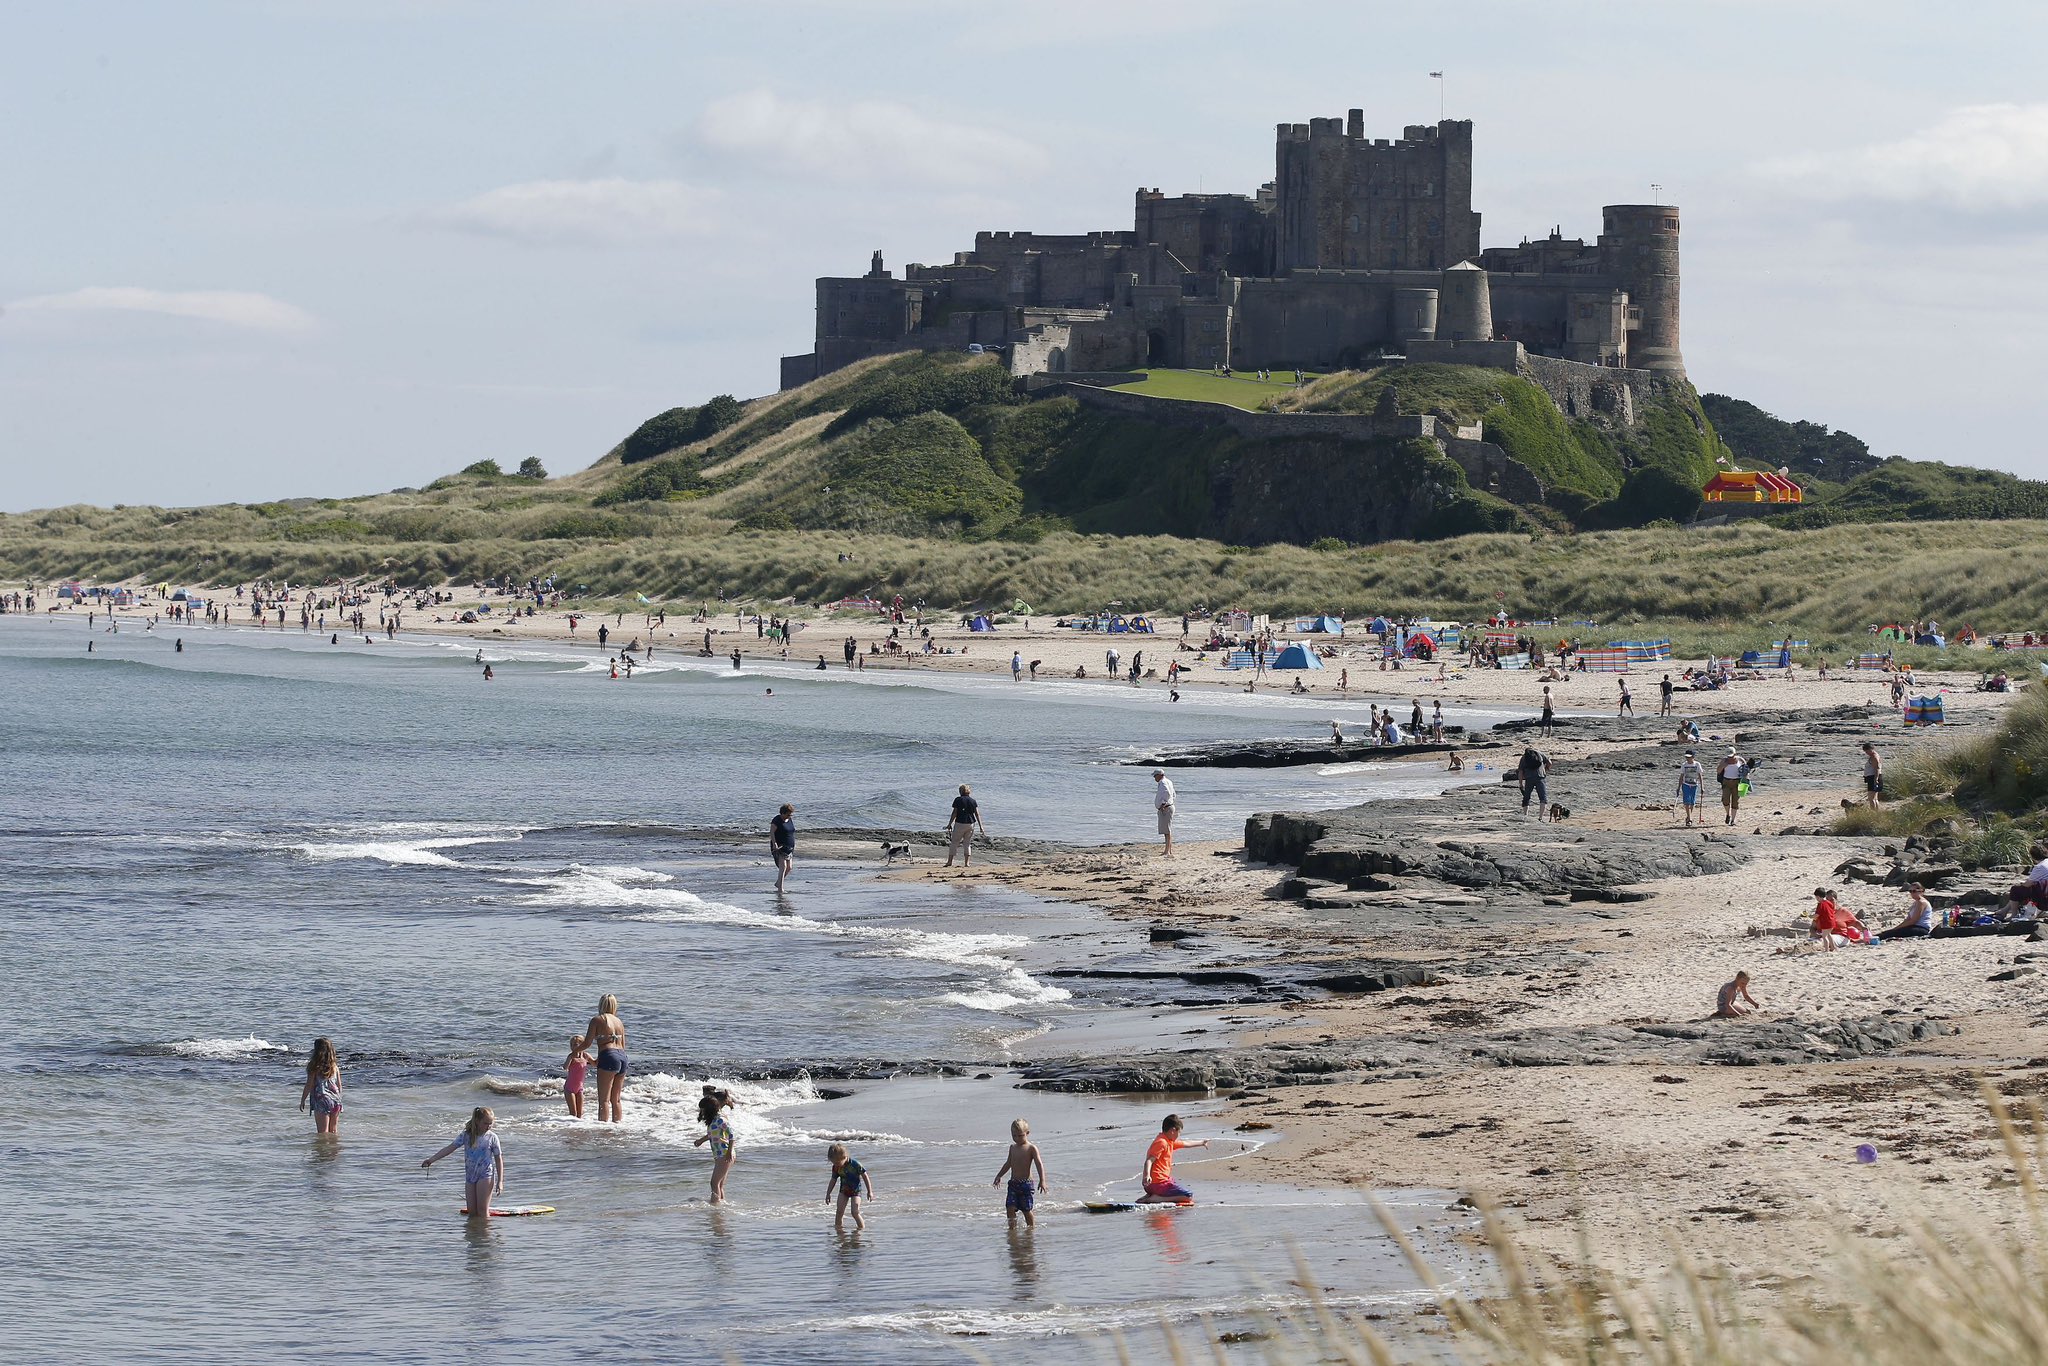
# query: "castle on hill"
1358,248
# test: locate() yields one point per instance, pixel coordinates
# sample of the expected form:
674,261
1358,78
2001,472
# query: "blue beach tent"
1297,657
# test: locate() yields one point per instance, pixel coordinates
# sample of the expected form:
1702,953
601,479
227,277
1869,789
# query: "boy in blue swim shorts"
1021,1195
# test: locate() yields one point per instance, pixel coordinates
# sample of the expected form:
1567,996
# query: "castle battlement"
1358,247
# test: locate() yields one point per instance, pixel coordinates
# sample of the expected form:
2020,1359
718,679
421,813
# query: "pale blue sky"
258,249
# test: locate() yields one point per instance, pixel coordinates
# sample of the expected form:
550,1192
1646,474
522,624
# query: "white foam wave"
1062,1320
223,1050
424,852
662,1107
599,887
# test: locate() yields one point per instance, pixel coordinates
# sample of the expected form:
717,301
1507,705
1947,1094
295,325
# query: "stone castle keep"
1358,248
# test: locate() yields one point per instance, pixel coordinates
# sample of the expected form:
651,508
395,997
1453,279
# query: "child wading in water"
574,1072
1022,1196
851,1178
322,1090
718,1133
483,1162
1160,1187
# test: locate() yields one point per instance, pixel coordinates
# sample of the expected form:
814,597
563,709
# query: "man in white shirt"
1162,802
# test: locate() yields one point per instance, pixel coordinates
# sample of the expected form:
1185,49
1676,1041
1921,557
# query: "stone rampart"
1180,412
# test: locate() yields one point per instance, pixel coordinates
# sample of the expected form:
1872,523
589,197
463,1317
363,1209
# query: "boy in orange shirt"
1157,1177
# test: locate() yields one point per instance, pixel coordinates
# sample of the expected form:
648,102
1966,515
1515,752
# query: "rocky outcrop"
1726,1043
1284,753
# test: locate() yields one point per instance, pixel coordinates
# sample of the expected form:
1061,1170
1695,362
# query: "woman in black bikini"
607,1033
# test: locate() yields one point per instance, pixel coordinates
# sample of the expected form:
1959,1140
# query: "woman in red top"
1831,924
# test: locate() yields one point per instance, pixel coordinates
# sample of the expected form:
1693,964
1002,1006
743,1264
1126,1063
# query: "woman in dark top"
782,842
966,819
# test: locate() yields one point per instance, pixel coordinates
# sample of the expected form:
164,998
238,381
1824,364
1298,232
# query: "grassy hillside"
1728,586
1599,473
931,476
1844,482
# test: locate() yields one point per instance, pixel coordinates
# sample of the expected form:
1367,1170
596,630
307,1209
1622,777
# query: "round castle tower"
1639,250
1466,309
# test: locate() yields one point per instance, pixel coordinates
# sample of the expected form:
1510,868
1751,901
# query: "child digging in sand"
1731,1002
852,1179
483,1163
1022,1196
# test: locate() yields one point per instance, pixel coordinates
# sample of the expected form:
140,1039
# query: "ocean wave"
1063,1320
662,1107
416,843
595,887
215,1050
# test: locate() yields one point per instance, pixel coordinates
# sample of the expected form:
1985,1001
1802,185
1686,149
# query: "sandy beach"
1618,1156
1070,657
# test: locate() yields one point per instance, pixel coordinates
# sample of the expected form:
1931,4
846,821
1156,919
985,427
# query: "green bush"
926,470
578,526
1329,545
531,468
658,435
487,469
949,389
678,474
715,416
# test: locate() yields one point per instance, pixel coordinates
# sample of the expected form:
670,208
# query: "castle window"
1351,224
1671,225
1585,310
1208,324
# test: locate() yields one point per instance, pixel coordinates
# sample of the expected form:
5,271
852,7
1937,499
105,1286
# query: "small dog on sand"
1559,811
892,852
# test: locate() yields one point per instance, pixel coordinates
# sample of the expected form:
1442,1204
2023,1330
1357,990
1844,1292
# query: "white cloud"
1983,158
228,307
864,139
608,212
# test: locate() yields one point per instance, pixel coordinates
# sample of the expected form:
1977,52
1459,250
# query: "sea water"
209,858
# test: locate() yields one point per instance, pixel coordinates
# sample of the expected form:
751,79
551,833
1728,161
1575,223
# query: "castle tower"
1343,201
1415,315
1639,252
1466,309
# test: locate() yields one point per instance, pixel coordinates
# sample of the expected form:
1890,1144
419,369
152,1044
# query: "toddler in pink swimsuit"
573,1073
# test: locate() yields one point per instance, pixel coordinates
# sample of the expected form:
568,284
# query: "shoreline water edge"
1441,990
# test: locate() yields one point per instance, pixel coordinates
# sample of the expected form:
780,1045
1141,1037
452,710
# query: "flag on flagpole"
1436,75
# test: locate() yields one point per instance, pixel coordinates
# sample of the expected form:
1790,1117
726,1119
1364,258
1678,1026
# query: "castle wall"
1176,412
799,370
1318,320
1208,233
1593,391
1487,467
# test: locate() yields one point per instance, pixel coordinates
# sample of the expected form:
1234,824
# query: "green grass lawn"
1205,386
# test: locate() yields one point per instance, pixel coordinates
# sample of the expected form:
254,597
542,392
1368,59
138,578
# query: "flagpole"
1438,77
